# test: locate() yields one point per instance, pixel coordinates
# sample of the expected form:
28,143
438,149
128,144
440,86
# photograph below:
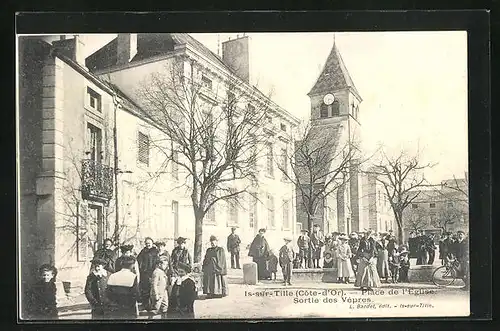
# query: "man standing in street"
233,247
259,251
461,252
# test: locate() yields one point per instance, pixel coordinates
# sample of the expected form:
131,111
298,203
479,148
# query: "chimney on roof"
236,55
73,48
126,47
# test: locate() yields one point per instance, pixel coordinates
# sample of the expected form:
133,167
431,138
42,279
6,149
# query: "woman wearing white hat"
344,268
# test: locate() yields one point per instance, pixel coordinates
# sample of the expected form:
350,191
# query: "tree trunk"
399,222
198,236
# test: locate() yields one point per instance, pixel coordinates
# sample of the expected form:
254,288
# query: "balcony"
97,181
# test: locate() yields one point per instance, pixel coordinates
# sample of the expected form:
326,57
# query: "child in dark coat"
404,266
394,265
42,304
183,294
273,264
95,288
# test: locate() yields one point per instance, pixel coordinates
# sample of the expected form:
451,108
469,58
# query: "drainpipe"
116,169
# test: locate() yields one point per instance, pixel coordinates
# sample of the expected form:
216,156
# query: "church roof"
320,146
334,75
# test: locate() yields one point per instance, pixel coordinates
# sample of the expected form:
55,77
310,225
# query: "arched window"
323,111
335,108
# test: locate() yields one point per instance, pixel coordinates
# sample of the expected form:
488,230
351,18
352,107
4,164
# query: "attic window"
206,82
283,127
335,108
93,100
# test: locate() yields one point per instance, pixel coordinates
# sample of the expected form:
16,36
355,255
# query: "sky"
413,85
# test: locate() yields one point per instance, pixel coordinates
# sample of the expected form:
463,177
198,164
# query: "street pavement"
273,300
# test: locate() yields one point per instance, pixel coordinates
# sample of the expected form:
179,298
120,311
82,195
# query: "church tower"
335,106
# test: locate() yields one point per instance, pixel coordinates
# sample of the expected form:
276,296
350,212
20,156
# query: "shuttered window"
270,211
286,214
252,211
143,147
84,248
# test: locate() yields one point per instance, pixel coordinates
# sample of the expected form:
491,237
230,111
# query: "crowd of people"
367,257
162,283
120,285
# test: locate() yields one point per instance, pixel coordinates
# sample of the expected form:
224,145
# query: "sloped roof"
334,75
320,146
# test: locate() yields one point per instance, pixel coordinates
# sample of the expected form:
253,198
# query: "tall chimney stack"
72,48
126,47
236,54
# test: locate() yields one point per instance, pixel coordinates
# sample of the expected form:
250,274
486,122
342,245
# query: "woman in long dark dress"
183,294
214,271
259,251
367,276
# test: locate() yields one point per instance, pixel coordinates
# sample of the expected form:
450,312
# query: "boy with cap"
304,243
95,287
159,284
286,257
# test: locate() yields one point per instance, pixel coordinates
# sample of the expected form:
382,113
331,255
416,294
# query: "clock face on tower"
328,99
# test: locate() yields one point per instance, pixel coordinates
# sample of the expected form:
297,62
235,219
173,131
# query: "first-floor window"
286,215
270,211
233,212
252,211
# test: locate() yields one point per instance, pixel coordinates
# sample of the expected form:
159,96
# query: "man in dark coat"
420,243
147,263
317,242
304,244
259,251
354,245
431,248
180,254
446,248
214,271
412,245
233,247
461,253
95,288
107,254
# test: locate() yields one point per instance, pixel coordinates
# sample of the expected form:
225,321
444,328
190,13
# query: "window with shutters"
269,161
84,240
270,211
323,110
206,82
210,216
284,164
175,165
252,211
143,147
233,210
286,214
94,150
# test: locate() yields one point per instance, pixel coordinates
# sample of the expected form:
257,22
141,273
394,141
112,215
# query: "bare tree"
401,176
319,165
215,135
416,219
447,214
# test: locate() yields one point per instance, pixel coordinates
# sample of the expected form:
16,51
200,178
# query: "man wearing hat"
233,247
354,245
461,253
317,243
304,243
127,251
286,256
107,254
95,287
259,251
180,254
445,248
147,260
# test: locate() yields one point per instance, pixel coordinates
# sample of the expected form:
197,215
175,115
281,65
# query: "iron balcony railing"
97,181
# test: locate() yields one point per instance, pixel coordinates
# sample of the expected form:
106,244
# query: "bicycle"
448,274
